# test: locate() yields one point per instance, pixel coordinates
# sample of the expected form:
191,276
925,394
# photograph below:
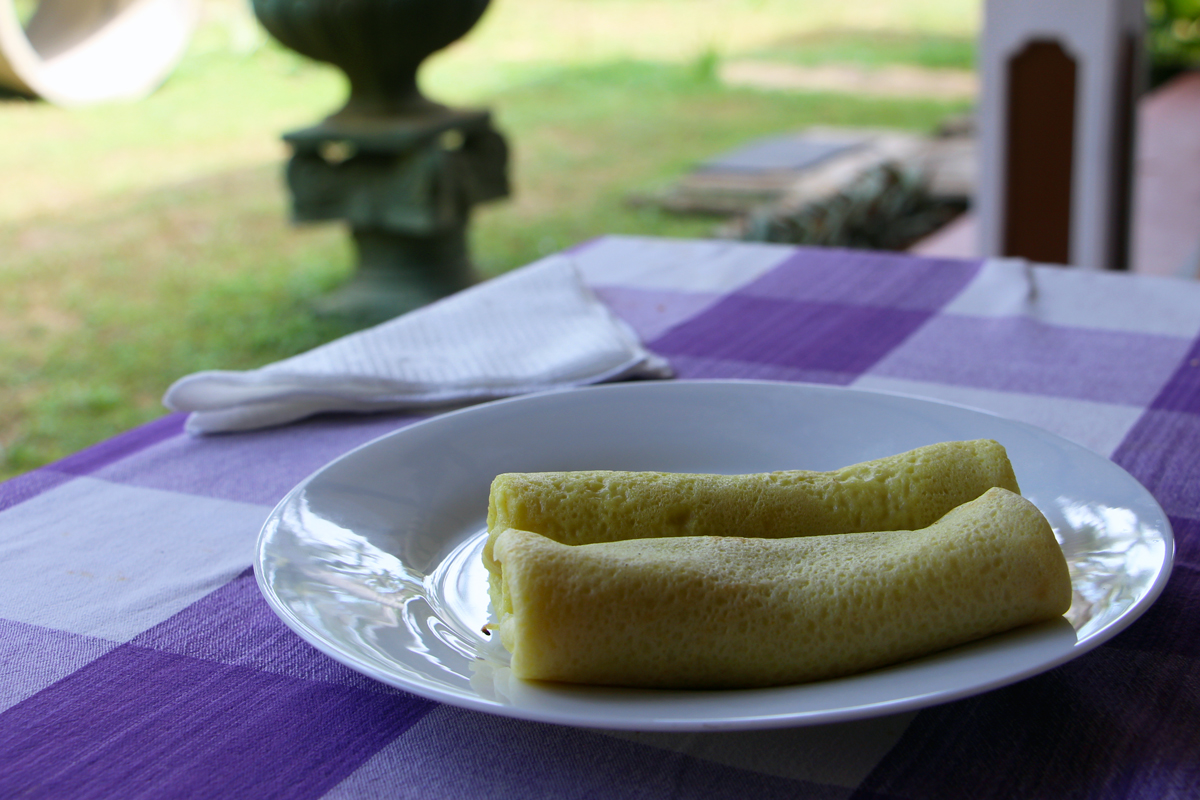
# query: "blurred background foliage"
25,9
1173,37
141,242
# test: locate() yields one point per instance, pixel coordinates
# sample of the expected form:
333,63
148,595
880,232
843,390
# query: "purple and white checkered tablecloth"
138,659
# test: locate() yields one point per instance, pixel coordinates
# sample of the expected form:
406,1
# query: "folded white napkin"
534,329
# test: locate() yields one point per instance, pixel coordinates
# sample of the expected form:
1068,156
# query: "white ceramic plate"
375,558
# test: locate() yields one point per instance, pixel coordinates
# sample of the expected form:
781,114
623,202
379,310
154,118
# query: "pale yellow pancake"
731,612
901,492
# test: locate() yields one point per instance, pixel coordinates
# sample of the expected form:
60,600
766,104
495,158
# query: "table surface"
138,658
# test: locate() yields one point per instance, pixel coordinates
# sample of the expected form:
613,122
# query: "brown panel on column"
1041,144
1123,159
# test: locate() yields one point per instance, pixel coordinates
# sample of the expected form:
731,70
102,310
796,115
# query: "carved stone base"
406,187
398,273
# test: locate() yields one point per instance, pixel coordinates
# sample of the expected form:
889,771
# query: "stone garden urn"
402,170
379,44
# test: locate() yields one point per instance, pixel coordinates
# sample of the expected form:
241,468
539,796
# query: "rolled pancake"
901,492
731,612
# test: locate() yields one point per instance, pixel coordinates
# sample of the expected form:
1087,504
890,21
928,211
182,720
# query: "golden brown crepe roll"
901,492
729,612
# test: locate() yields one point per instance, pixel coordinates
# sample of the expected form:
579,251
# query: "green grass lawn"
142,242
873,49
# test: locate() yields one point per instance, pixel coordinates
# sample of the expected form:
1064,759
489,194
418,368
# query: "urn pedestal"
402,171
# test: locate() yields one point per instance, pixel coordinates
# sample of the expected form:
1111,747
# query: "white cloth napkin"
535,329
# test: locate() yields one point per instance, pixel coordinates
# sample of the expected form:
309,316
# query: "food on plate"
734,611
907,491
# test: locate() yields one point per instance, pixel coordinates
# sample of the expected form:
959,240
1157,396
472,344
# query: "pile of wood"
833,186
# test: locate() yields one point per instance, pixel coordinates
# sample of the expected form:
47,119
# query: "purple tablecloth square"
861,277
800,335
1020,354
1182,392
30,485
139,723
89,460
1168,627
59,653
110,451
1160,451
217,466
460,754
1111,724
651,313
235,626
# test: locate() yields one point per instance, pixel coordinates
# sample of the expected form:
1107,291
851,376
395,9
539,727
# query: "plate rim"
476,702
